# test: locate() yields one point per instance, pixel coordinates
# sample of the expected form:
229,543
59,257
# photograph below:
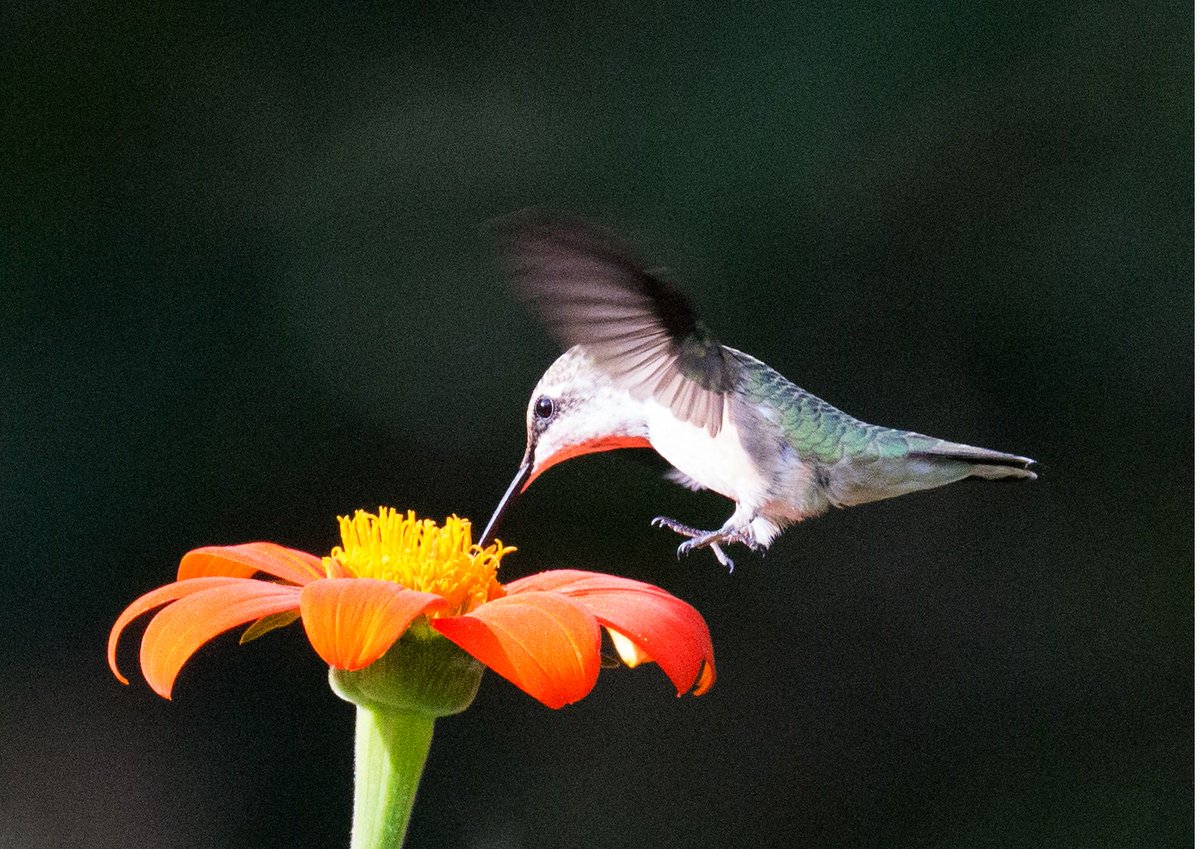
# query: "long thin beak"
510,495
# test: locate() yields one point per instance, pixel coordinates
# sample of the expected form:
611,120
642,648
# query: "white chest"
718,462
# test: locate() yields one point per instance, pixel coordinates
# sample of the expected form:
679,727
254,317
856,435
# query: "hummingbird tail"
909,462
982,462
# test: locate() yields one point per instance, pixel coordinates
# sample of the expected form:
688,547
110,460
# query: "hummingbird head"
575,409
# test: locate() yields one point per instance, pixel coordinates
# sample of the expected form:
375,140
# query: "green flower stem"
423,676
390,747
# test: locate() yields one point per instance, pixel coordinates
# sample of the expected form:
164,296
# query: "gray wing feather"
585,285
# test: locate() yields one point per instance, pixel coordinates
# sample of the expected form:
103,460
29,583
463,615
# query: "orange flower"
542,632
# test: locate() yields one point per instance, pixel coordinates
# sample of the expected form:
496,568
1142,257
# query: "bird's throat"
591,446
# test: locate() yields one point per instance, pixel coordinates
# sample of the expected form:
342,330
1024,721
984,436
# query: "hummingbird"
640,370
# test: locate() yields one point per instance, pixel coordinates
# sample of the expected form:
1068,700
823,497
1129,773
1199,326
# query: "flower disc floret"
420,555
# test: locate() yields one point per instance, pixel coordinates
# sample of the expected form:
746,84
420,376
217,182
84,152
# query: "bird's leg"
709,539
677,527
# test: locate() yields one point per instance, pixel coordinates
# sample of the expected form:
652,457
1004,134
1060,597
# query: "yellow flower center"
419,554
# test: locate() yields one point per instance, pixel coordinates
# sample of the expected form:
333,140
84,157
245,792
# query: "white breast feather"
716,462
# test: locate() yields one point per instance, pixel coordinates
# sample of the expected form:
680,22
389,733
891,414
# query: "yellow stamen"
419,555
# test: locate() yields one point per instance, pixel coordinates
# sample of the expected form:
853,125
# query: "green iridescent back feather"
862,462
816,428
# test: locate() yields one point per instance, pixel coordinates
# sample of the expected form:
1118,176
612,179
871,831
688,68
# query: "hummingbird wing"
583,282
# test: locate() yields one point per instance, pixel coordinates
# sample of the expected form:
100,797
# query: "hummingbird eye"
543,407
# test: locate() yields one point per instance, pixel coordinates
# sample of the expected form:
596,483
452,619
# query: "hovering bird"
641,370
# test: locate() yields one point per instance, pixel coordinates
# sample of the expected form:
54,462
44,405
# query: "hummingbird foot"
678,527
722,558
706,539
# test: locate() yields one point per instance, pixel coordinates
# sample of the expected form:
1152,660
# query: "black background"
245,289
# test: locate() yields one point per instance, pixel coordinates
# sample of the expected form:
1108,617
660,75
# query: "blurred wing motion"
583,283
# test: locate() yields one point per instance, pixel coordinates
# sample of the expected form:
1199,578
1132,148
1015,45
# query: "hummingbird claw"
722,558
677,527
699,539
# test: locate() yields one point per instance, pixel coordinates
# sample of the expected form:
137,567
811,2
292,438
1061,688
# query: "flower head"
420,555
542,632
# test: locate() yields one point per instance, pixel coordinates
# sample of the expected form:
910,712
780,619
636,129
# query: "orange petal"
545,643
666,629
179,629
351,622
243,561
149,601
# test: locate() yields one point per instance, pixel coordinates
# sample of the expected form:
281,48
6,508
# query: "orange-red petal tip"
652,623
544,643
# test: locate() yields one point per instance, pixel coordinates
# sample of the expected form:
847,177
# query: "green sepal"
422,673
268,624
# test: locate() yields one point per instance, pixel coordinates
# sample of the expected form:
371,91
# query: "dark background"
245,289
